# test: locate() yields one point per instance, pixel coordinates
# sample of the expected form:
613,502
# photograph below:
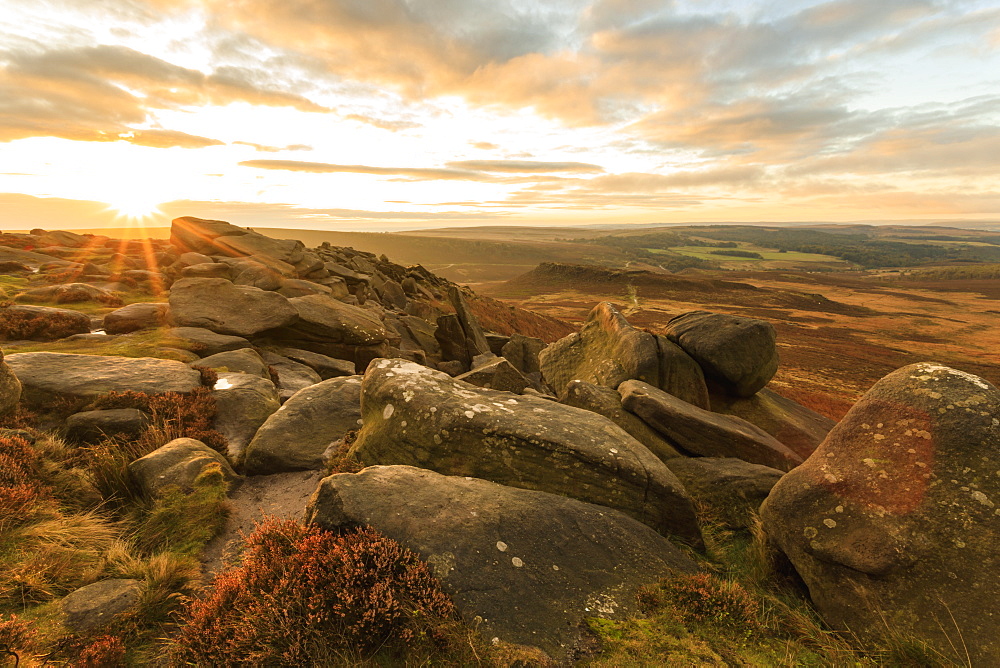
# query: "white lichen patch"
470,414
983,499
502,546
516,561
602,603
830,523
388,411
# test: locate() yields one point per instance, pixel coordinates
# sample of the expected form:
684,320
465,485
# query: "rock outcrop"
737,353
178,464
225,308
799,428
243,402
532,566
416,416
894,521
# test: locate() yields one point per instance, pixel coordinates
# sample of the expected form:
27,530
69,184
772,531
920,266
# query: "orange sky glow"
396,114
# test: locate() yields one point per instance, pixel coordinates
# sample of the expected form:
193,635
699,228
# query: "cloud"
521,166
100,93
412,173
167,139
263,148
484,145
383,123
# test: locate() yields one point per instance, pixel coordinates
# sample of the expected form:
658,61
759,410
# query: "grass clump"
308,596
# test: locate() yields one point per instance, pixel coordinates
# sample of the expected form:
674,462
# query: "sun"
134,206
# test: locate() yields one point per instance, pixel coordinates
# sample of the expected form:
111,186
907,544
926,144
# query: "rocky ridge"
505,461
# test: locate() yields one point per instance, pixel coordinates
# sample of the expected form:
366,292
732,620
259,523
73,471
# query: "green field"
705,253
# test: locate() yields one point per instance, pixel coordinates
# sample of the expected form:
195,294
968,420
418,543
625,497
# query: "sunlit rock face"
894,521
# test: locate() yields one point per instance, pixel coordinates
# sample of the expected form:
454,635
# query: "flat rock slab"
47,375
702,432
225,308
417,416
798,427
533,566
95,605
894,521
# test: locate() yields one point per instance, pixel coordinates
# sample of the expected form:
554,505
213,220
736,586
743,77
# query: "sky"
393,114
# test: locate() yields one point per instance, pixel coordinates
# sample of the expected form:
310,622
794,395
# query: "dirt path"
282,495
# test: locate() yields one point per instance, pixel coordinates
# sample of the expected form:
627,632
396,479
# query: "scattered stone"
327,367
738,353
177,464
295,437
731,488
243,403
91,607
894,521
702,432
141,315
225,308
416,416
45,376
532,566
91,426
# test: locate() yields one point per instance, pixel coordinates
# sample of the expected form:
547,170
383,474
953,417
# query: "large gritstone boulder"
45,376
218,305
416,416
134,317
608,351
295,437
799,428
330,327
177,465
243,402
41,323
10,388
205,342
737,353
894,521
532,566
702,432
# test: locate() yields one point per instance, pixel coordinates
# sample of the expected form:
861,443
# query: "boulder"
260,247
244,360
199,235
474,337
297,287
41,323
134,317
225,308
522,352
205,341
327,367
10,388
331,327
177,464
91,607
497,374
69,293
894,521
450,339
738,353
291,375
243,403
90,426
421,333
206,270
680,375
799,428
295,437
257,275
493,549
732,489
607,402
45,376
416,416
702,432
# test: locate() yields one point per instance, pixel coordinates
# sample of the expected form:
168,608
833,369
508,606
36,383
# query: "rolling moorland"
468,426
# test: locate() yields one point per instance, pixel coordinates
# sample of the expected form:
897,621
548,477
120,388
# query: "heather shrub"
306,596
187,415
21,495
101,652
703,597
17,325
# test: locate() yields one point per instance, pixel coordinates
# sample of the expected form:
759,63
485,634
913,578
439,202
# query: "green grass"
705,253
146,343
